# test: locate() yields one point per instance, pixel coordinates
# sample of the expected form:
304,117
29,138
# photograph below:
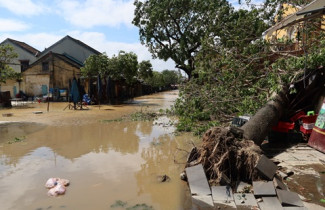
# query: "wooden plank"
197,180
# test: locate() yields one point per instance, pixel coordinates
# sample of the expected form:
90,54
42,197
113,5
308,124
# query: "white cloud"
99,42
7,25
38,40
97,12
23,7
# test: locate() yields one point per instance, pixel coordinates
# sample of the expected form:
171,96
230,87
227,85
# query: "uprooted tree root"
222,153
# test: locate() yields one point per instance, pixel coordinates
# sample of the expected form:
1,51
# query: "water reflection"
105,162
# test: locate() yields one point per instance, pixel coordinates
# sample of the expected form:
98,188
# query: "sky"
105,25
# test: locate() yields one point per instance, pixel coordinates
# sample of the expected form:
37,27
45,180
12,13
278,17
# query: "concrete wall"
12,86
58,75
33,84
63,71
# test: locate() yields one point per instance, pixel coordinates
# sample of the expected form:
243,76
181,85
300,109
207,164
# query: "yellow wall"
34,78
286,33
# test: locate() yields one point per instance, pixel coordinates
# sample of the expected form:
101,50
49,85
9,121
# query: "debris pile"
57,186
223,155
227,171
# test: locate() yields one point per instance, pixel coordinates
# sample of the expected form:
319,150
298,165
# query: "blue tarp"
75,91
99,88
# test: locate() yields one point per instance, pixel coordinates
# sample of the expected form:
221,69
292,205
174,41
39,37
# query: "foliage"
119,204
237,77
94,65
175,29
142,115
162,79
128,66
145,70
156,80
16,139
170,77
123,66
6,55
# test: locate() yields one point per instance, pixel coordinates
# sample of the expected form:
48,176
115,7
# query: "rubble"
239,176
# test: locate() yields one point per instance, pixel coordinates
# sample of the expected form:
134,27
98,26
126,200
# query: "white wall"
22,55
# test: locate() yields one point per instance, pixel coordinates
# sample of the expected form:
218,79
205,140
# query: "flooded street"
110,164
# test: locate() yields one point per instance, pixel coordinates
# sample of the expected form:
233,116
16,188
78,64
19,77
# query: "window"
24,65
45,66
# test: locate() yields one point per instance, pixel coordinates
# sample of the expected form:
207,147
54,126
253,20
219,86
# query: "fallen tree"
233,153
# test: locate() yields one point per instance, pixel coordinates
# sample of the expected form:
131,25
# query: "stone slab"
288,198
279,184
266,167
225,206
197,180
270,203
222,193
264,188
37,112
245,200
295,208
202,202
223,197
241,185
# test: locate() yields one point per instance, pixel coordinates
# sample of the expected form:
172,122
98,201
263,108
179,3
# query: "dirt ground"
58,113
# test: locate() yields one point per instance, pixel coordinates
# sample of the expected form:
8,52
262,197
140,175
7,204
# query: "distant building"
55,66
71,47
289,34
50,72
26,55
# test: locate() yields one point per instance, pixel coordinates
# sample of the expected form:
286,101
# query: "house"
51,71
55,66
289,34
26,55
74,48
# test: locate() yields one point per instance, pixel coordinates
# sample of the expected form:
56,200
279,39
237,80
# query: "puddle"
105,162
311,187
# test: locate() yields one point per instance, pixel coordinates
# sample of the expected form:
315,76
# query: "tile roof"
73,39
25,46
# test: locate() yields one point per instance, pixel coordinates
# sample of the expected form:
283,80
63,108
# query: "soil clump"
223,156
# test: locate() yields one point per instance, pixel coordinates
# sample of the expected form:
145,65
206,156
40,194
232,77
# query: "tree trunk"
258,126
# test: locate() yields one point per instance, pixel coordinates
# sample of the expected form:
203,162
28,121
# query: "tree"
156,80
145,70
6,55
127,66
95,64
175,29
170,77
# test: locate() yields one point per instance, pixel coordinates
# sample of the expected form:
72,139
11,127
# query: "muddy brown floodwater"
111,165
